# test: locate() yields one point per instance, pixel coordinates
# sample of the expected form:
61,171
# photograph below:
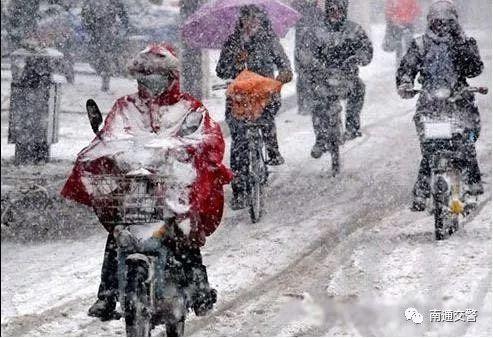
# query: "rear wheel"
443,218
439,223
175,329
256,181
455,224
137,302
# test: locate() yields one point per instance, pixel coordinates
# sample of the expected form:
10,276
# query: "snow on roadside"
41,276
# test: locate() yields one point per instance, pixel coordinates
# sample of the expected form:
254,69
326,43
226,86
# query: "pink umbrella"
214,22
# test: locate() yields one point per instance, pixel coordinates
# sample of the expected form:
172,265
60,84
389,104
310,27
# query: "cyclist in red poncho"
160,110
401,17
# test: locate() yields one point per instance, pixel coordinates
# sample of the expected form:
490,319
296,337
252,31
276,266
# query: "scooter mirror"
483,90
94,114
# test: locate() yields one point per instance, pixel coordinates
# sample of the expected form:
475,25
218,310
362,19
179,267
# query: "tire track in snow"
296,268
292,279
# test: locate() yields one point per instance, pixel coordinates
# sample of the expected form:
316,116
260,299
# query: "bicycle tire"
255,190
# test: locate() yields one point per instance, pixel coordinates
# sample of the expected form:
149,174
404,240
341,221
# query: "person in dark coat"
444,58
253,46
107,23
340,47
311,15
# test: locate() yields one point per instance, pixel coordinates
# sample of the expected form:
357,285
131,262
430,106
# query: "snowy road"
339,256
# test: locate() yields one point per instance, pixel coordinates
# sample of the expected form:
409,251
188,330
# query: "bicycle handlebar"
479,90
221,85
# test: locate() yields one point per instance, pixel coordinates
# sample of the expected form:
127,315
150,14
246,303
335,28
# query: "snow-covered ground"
333,256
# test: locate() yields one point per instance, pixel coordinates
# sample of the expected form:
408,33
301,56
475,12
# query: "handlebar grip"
483,90
219,86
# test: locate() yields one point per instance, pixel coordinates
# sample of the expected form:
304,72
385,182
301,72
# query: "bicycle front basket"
129,200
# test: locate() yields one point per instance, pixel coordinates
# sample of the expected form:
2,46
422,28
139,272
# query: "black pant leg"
422,186
325,117
239,152
108,288
355,101
269,130
471,165
320,125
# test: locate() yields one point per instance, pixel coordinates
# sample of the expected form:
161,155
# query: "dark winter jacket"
265,54
440,62
342,47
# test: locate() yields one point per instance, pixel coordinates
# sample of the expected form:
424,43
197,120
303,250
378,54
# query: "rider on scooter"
158,108
444,58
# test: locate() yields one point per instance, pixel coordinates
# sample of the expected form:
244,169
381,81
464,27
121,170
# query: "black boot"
204,301
275,157
317,151
418,204
351,135
203,296
104,309
239,200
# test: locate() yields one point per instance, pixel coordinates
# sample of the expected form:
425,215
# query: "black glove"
406,91
472,135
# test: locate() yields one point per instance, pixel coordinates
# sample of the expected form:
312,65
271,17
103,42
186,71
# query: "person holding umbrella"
253,45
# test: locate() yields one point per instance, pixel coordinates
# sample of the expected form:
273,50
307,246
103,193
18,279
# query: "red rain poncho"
402,12
139,117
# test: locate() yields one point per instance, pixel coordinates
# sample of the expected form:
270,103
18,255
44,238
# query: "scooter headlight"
124,238
456,206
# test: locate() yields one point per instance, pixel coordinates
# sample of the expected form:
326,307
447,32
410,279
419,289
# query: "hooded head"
443,19
156,69
336,11
304,6
253,20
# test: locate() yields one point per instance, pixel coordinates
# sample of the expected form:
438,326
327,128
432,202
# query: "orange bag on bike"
250,93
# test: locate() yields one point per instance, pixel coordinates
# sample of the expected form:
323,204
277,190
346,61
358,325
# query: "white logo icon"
413,314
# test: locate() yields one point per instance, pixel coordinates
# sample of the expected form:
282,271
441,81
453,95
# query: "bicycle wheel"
137,303
255,190
441,212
